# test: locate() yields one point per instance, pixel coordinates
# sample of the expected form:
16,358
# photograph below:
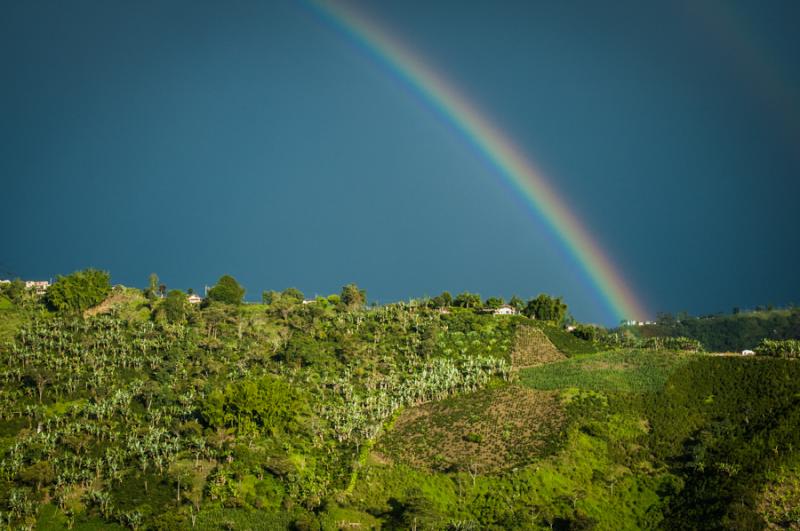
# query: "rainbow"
498,149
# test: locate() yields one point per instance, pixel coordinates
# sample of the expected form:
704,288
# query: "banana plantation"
128,419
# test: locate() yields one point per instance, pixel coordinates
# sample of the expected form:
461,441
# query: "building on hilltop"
194,298
504,310
37,286
634,322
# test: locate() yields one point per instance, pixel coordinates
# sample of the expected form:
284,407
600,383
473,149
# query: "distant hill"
732,332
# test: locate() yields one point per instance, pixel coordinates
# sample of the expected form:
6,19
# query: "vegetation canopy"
227,290
79,291
146,412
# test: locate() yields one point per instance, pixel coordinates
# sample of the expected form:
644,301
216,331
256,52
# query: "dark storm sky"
195,139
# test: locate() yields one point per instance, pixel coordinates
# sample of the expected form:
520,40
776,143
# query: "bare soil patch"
532,347
489,431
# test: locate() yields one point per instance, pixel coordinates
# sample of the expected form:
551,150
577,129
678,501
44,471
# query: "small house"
505,310
37,286
194,298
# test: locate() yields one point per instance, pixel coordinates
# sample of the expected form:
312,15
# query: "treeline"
610,339
734,332
787,348
543,307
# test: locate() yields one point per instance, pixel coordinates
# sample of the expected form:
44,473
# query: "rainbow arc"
509,162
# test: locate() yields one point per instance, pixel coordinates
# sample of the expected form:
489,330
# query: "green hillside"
734,332
146,412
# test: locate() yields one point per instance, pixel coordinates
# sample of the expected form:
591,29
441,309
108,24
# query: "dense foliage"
160,422
227,290
735,332
150,413
546,308
787,348
79,291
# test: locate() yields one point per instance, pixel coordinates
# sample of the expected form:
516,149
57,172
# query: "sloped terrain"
532,347
484,432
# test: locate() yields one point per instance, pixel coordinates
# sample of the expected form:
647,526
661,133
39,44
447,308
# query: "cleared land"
484,432
532,347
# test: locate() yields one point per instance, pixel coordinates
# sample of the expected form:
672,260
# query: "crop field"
532,347
483,432
620,371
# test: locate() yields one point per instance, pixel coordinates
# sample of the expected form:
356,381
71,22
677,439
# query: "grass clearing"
620,371
484,432
564,341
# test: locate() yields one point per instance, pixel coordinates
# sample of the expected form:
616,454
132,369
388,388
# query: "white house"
38,286
505,310
748,353
194,298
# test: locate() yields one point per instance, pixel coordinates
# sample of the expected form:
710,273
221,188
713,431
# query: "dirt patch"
532,347
117,299
485,432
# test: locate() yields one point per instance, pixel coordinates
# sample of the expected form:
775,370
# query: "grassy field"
622,371
567,343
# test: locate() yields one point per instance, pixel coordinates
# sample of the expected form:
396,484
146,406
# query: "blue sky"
195,139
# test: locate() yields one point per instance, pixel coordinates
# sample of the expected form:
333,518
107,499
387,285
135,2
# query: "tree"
419,512
443,300
494,302
282,304
38,474
227,291
546,308
175,306
14,290
467,300
294,293
353,297
517,303
79,291
152,287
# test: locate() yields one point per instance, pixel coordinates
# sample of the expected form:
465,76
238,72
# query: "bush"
79,291
473,438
